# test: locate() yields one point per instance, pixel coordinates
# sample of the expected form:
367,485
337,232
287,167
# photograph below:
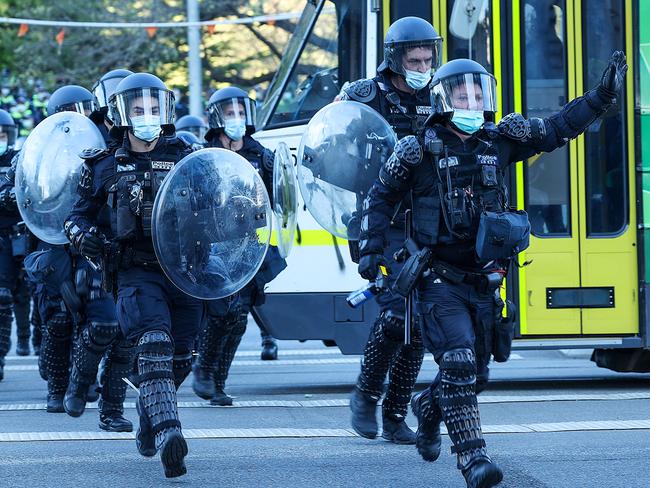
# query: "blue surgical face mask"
417,80
235,129
3,147
468,120
146,128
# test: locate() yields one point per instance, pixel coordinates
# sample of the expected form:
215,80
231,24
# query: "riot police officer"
231,116
100,336
58,324
151,311
399,93
467,234
8,218
192,124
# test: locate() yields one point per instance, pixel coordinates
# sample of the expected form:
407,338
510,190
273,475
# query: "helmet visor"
84,108
419,56
104,89
154,103
231,109
470,91
198,130
10,132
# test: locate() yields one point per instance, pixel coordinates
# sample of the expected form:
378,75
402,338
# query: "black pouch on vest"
20,240
502,235
504,332
126,222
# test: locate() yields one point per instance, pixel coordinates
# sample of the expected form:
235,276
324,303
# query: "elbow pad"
516,127
396,171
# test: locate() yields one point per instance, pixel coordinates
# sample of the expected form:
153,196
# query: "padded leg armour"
37,330
402,377
22,302
118,364
56,352
158,402
379,353
228,350
6,303
89,349
461,415
181,366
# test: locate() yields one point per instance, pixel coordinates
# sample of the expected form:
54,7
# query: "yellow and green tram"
586,284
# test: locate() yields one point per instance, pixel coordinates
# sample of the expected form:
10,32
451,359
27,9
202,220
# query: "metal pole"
194,59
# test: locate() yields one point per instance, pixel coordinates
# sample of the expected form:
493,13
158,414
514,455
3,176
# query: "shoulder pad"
268,158
409,150
93,153
360,91
514,126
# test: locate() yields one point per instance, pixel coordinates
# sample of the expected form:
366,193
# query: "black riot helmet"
463,84
405,34
9,129
142,99
230,104
72,98
105,87
189,138
193,124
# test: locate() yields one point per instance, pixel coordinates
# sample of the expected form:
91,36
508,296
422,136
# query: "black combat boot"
364,413
394,429
269,348
221,399
460,412
157,402
427,438
22,346
89,349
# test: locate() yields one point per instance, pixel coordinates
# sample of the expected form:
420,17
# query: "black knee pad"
103,333
155,343
392,325
59,325
458,367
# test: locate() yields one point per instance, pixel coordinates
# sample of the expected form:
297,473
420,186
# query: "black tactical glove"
614,75
90,245
369,266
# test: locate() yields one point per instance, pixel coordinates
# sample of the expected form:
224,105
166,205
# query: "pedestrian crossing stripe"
600,425
344,402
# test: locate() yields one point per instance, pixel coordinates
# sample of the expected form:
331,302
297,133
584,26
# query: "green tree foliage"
245,55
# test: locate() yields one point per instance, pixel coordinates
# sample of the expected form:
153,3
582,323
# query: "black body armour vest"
466,182
138,179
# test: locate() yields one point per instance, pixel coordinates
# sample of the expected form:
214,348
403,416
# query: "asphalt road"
552,419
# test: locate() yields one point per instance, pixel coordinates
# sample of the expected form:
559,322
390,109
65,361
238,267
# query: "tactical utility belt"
484,282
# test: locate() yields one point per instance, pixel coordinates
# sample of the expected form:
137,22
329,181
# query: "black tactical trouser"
457,325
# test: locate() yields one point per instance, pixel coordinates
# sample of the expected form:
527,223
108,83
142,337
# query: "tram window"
470,26
606,139
332,55
547,181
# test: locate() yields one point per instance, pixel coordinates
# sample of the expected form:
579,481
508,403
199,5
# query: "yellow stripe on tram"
309,237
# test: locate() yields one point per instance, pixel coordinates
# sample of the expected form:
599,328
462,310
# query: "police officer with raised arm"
400,94
465,236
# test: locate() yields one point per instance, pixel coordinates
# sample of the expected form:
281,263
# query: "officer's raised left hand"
614,74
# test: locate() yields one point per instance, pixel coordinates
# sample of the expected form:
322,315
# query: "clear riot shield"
285,199
211,223
48,169
339,159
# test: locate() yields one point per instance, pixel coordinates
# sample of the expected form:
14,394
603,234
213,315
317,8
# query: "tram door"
582,277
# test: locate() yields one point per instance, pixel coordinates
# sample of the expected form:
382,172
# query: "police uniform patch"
164,165
423,110
450,161
487,159
121,168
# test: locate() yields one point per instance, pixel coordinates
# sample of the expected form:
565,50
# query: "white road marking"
601,425
344,402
